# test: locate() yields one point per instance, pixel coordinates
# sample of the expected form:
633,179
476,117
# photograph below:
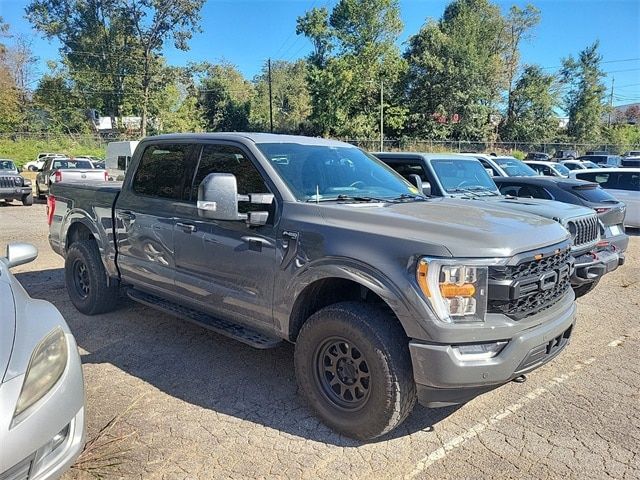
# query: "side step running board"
238,332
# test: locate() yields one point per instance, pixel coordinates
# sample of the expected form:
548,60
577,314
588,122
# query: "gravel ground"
167,399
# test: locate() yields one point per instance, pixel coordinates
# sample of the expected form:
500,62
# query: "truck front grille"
10,181
534,283
584,230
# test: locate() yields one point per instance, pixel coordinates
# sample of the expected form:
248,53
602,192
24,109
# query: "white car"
551,169
622,183
579,164
503,165
37,164
42,402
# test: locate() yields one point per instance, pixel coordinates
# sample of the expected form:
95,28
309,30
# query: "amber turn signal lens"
451,290
423,269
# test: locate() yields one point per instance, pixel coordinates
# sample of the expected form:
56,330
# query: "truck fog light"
479,351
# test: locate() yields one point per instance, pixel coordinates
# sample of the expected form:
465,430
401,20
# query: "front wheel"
86,279
27,200
354,369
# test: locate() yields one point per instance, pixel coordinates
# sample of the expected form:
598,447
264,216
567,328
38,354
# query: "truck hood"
7,320
544,208
464,228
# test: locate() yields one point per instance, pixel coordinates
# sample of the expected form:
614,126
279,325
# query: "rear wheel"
86,279
39,194
582,290
353,367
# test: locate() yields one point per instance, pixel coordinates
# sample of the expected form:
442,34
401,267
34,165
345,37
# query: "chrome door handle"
186,227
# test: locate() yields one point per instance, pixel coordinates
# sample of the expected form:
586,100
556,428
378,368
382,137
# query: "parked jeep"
14,186
389,296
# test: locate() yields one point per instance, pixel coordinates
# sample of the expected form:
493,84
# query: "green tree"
584,100
456,72
58,105
175,108
519,23
533,98
291,100
225,98
345,86
113,48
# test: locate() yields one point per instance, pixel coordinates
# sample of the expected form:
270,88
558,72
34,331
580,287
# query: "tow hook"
520,379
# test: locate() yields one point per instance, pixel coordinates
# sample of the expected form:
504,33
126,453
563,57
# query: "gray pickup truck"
457,176
389,296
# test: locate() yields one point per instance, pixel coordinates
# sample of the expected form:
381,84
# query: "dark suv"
12,185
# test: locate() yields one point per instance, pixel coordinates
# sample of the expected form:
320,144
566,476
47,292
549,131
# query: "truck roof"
254,137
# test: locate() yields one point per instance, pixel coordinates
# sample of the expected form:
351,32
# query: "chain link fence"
373,145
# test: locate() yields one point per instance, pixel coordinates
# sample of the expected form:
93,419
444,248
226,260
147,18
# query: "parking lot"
168,399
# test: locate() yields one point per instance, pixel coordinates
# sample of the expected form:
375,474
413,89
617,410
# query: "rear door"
144,214
226,267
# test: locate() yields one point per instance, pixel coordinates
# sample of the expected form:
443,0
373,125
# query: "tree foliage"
532,101
454,78
584,100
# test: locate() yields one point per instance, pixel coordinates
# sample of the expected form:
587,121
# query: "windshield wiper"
480,188
411,196
355,198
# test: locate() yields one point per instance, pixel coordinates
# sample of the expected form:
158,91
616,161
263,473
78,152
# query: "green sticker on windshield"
413,190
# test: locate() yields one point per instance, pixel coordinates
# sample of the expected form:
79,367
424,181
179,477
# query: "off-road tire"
372,332
86,279
582,290
27,200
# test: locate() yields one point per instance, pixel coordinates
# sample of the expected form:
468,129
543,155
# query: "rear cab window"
165,171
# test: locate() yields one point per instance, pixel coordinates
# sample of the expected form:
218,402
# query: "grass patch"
22,151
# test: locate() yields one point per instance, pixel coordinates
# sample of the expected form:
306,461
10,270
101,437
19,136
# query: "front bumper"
51,434
444,378
591,266
15,193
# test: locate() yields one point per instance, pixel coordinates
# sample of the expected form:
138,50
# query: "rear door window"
593,194
165,171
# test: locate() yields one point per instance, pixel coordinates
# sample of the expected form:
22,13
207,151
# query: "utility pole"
270,100
381,115
613,79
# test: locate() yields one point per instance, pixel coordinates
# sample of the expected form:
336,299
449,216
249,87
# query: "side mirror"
218,200
20,253
426,188
416,181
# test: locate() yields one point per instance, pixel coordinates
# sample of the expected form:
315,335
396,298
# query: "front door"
227,267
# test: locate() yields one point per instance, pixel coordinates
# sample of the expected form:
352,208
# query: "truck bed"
93,203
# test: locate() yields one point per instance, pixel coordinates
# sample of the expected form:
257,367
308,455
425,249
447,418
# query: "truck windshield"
460,175
515,168
325,173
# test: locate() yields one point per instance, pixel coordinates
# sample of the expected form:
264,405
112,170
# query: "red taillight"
106,176
51,208
57,176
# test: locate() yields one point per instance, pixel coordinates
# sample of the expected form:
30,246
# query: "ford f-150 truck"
61,169
451,175
388,295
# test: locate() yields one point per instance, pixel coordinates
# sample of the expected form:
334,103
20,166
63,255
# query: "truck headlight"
47,363
457,292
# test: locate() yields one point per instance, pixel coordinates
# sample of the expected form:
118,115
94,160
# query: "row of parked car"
399,277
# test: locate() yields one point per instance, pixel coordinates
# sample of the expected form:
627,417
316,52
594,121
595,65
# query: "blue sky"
246,33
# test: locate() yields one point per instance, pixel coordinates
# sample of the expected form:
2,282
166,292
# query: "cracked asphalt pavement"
168,399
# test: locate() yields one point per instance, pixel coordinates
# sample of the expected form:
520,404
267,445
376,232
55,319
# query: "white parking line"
478,428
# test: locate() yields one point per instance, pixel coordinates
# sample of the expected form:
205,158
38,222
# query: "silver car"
42,403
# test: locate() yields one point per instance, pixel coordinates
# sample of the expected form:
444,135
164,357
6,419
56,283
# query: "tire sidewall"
80,251
377,414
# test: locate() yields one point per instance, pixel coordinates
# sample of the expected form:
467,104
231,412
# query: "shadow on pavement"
201,367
